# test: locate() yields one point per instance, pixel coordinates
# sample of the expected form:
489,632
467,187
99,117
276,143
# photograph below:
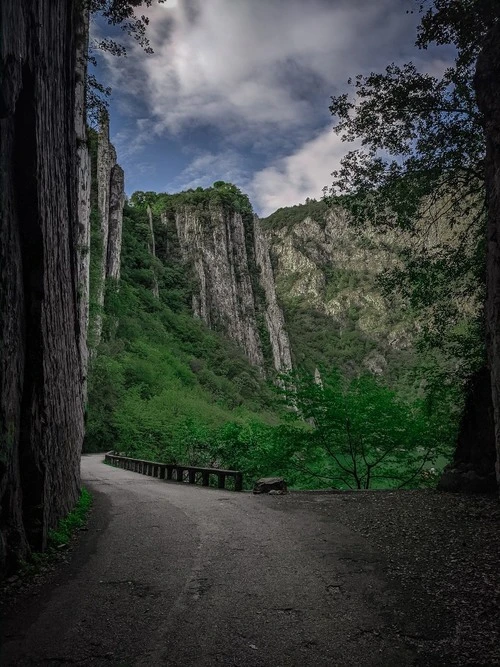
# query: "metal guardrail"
175,471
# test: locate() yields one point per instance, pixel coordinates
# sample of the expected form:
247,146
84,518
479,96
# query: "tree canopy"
418,162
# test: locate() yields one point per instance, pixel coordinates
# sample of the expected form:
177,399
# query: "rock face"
275,321
152,251
110,202
41,365
214,242
325,266
270,485
84,186
116,203
488,98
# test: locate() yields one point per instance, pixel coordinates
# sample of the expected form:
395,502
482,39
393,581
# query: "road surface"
173,574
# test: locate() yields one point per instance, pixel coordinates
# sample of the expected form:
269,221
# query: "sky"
239,90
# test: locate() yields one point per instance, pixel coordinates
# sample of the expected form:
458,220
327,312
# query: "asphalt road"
172,574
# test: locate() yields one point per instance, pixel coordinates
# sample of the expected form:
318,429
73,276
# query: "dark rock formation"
487,85
270,485
473,466
229,272
110,202
41,397
152,251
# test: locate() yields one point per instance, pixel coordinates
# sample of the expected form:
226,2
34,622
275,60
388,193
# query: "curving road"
171,574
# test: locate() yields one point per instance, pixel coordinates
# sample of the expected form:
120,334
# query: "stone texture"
275,321
110,202
213,242
116,203
83,185
273,485
152,251
41,195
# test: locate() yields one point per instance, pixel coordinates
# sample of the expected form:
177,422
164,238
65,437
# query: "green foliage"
59,536
75,519
165,388
161,379
362,434
291,215
420,166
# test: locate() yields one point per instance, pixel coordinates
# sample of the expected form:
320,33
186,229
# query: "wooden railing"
175,471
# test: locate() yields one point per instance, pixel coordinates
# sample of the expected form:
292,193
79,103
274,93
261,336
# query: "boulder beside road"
273,485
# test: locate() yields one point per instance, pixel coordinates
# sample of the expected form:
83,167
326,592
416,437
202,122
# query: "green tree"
420,168
361,434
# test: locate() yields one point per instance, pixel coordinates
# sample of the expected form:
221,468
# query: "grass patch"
75,519
59,537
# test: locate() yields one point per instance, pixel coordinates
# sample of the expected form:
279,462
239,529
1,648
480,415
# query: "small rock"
270,484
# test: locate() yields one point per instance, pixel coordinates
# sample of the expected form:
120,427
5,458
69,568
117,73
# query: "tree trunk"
487,86
41,399
473,467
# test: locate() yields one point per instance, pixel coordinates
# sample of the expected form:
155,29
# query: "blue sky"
238,90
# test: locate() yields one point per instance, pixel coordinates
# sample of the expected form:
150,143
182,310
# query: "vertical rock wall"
213,242
83,185
487,85
41,398
275,321
116,203
152,251
110,202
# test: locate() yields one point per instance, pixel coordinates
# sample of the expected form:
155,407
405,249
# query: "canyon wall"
109,184
42,359
234,280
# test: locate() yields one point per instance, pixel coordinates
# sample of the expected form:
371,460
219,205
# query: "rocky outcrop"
83,185
110,202
487,87
275,321
272,485
212,241
324,265
235,292
116,203
152,251
41,369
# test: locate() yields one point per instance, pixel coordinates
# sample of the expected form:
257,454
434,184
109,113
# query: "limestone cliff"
152,251
234,292
326,278
223,299
109,202
42,194
275,321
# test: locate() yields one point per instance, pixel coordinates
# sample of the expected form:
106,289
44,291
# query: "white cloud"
256,73
209,167
302,174
252,67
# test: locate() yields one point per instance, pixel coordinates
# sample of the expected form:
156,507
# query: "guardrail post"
192,476
205,478
222,480
238,482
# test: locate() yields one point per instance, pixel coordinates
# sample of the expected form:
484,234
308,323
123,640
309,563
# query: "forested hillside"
188,367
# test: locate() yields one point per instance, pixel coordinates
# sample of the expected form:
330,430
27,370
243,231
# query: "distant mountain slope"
326,278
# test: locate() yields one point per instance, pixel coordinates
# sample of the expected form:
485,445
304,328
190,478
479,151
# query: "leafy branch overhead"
418,163
116,13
